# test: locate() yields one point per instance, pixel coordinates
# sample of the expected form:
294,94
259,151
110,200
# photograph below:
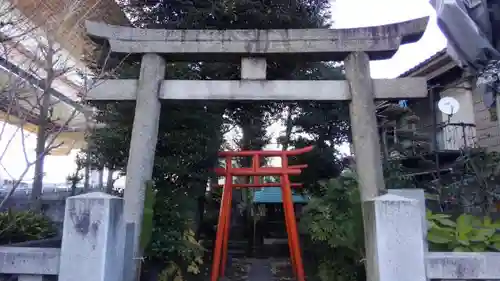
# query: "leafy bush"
20,226
466,234
173,246
333,223
191,254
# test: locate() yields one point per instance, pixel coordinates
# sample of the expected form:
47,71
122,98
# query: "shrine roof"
424,63
271,195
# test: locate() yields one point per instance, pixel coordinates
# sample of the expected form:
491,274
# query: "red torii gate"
256,171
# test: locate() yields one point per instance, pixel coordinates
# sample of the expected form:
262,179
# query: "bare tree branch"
36,67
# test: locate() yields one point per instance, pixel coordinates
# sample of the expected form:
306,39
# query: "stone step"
282,269
236,249
233,253
230,244
230,249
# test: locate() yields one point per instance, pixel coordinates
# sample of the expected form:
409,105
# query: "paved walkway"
260,270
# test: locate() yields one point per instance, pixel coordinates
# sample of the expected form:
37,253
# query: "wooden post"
287,227
143,146
290,216
227,226
221,229
291,223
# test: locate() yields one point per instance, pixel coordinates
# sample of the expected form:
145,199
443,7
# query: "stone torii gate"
355,46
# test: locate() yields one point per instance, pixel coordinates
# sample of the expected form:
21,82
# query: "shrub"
466,234
333,223
20,226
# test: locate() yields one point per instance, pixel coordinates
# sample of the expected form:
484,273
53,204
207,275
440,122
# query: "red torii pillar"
256,171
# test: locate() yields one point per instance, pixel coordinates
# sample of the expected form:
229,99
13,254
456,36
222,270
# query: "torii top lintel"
379,42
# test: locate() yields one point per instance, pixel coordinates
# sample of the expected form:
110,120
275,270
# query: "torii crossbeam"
355,46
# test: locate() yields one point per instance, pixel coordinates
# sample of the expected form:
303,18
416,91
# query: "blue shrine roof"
270,195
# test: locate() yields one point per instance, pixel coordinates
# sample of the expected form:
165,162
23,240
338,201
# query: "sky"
346,14
357,13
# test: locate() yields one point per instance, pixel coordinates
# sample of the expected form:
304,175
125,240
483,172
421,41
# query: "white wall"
452,137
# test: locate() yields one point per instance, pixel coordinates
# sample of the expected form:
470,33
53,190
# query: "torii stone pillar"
355,46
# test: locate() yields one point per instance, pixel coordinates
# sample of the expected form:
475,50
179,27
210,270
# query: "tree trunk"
110,182
86,177
43,120
288,128
246,193
197,201
73,187
200,216
101,178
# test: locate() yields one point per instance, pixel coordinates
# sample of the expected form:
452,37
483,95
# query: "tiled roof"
273,195
422,64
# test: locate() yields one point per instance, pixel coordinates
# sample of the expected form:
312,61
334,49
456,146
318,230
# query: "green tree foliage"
188,140
229,14
190,133
333,224
173,251
324,125
323,163
21,226
476,183
467,234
